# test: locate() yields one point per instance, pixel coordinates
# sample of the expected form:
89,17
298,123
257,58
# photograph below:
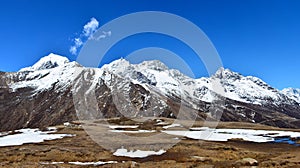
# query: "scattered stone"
247,162
200,158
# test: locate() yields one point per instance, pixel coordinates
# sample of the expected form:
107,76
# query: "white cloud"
78,42
73,50
90,27
87,33
103,35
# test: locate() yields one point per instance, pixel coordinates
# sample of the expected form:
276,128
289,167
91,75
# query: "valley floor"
81,150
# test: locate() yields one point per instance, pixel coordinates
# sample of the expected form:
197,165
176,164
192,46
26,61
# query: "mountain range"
52,90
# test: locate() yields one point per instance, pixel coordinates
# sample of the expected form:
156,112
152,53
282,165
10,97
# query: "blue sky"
253,37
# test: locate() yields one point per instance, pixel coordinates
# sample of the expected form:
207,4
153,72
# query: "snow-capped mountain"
234,86
292,93
43,94
48,62
249,89
49,70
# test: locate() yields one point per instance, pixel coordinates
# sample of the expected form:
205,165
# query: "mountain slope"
49,92
292,93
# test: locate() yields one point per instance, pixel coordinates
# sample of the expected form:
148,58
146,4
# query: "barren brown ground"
186,153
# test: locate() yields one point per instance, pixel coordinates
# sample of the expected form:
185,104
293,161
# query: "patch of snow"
122,126
138,131
52,129
92,163
204,133
141,84
4,133
30,136
162,123
66,124
137,153
171,126
199,128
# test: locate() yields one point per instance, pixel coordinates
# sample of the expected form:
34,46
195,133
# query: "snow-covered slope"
48,71
58,70
225,82
246,89
48,62
292,93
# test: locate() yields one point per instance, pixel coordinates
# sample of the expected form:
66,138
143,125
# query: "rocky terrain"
82,151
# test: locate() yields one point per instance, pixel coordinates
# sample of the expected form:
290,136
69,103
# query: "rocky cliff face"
51,91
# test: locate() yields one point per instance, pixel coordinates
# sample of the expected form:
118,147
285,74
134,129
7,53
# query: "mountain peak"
292,90
48,62
116,65
154,64
292,93
223,73
124,64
